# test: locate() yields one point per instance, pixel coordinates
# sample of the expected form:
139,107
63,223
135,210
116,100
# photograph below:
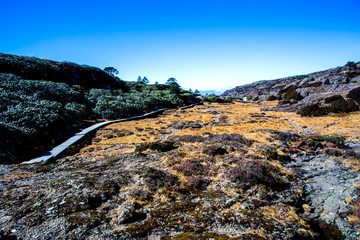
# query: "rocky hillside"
315,89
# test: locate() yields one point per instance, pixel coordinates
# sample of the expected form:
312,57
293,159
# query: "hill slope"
299,91
43,102
70,73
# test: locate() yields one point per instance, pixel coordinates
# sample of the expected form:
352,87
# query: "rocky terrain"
309,94
216,171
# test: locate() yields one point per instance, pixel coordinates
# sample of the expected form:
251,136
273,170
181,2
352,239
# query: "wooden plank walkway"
55,152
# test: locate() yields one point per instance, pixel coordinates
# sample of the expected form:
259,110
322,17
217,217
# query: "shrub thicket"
40,113
215,98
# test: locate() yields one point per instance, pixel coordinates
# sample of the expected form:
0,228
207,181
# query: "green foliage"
350,64
69,73
143,80
171,81
211,98
174,86
215,98
300,77
111,70
38,111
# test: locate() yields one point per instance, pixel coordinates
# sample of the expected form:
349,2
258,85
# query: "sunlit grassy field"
246,119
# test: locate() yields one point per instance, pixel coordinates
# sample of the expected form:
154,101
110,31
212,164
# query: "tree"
111,70
171,81
174,86
350,64
197,91
145,80
190,90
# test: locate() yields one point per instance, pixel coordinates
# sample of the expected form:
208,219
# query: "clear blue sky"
212,44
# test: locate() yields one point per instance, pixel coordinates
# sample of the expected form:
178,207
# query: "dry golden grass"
18,175
246,119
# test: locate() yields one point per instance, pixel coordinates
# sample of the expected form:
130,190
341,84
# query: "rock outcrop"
297,92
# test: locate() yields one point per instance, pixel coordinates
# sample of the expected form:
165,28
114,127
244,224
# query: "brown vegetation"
138,181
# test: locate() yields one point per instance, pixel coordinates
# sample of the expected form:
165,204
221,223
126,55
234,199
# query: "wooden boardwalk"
58,150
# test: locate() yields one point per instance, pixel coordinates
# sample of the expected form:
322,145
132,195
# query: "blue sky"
213,44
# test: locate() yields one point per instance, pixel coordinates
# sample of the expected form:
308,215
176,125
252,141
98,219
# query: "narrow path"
55,152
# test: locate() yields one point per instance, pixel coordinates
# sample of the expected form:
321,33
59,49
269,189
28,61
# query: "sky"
204,44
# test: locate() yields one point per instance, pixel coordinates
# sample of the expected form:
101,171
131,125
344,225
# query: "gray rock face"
309,89
254,90
328,185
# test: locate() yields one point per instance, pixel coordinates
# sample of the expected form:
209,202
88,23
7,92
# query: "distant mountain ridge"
297,92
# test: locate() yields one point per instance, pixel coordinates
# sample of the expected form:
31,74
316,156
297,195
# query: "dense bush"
215,98
40,113
66,72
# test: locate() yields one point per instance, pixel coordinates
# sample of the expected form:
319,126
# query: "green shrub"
350,64
215,98
40,112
